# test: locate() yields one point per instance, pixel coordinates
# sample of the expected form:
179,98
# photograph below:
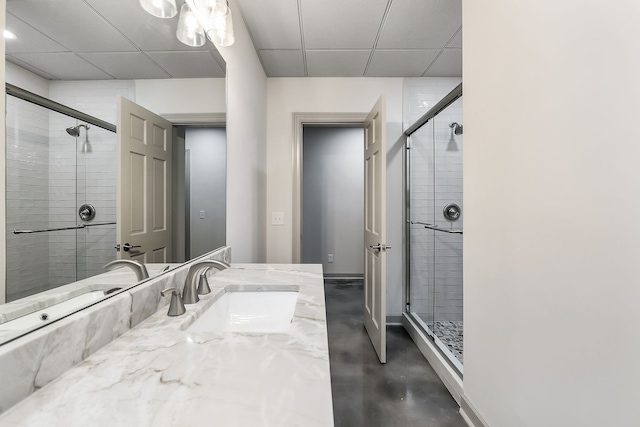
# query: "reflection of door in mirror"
144,184
55,164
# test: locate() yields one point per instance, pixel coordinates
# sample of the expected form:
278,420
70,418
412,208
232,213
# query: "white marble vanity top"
157,374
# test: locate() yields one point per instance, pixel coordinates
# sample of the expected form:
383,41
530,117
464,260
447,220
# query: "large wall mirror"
61,169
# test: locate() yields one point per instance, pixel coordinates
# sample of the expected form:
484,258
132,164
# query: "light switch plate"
277,218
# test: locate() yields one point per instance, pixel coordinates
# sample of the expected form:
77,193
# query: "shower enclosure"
434,226
60,195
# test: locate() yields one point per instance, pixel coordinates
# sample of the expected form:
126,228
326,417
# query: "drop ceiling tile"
68,22
456,42
282,63
420,24
273,24
126,65
448,64
188,65
145,31
337,63
340,24
28,67
63,66
28,39
400,63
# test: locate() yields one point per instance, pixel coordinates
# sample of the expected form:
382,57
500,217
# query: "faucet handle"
176,307
203,283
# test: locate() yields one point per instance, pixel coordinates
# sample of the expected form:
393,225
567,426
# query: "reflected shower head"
75,130
457,128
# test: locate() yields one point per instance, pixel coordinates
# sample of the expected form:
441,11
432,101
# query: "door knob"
126,247
380,247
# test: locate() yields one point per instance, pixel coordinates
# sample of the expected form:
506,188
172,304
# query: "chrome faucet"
189,292
138,268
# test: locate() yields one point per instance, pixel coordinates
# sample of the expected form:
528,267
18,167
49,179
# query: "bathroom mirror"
84,54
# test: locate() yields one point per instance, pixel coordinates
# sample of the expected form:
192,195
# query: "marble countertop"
158,374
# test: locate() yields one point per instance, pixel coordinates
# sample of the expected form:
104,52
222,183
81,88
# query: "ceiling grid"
97,39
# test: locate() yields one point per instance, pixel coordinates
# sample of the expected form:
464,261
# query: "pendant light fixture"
222,32
160,8
197,18
189,30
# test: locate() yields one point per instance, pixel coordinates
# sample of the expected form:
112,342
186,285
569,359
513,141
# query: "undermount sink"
251,309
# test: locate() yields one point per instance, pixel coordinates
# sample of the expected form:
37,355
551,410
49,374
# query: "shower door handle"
127,247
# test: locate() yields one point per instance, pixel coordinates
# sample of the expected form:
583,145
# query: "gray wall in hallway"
333,198
208,188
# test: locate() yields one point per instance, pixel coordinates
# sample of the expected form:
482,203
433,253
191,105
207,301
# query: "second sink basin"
252,309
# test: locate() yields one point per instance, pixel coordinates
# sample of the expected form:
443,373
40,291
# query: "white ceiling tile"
63,66
400,63
274,24
337,63
448,64
282,63
420,24
31,68
340,24
145,31
188,64
126,65
456,42
28,39
71,23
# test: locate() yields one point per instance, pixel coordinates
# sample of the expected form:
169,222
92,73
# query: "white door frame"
299,120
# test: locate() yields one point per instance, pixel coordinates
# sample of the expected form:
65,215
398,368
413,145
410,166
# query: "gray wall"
207,148
333,198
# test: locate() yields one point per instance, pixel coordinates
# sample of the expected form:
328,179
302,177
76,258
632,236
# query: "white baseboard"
470,415
449,377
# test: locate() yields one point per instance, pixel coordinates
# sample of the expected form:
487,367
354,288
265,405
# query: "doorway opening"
333,198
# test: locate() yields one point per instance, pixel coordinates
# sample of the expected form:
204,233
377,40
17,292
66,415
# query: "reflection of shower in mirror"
457,128
75,132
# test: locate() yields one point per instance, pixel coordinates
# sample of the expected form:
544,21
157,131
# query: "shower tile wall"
436,258
97,171
27,198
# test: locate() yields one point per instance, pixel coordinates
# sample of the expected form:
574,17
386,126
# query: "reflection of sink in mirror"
254,311
54,312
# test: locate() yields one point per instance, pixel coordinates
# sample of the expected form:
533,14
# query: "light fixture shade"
222,32
189,30
160,8
203,6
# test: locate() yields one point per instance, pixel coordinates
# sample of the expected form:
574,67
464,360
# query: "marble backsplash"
32,361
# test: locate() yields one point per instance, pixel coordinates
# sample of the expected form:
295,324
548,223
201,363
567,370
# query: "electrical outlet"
277,218
201,214
330,257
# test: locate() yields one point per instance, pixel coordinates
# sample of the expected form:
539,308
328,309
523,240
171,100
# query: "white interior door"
375,199
144,184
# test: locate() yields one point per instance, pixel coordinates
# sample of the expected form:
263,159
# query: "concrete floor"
404,392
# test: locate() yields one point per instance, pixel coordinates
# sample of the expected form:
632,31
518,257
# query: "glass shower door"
55,164
435,212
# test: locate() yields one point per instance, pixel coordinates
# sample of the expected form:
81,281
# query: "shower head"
457,128
75,130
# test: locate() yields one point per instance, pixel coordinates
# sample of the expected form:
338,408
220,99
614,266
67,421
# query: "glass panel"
96,186
449,215
434,183
422,240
